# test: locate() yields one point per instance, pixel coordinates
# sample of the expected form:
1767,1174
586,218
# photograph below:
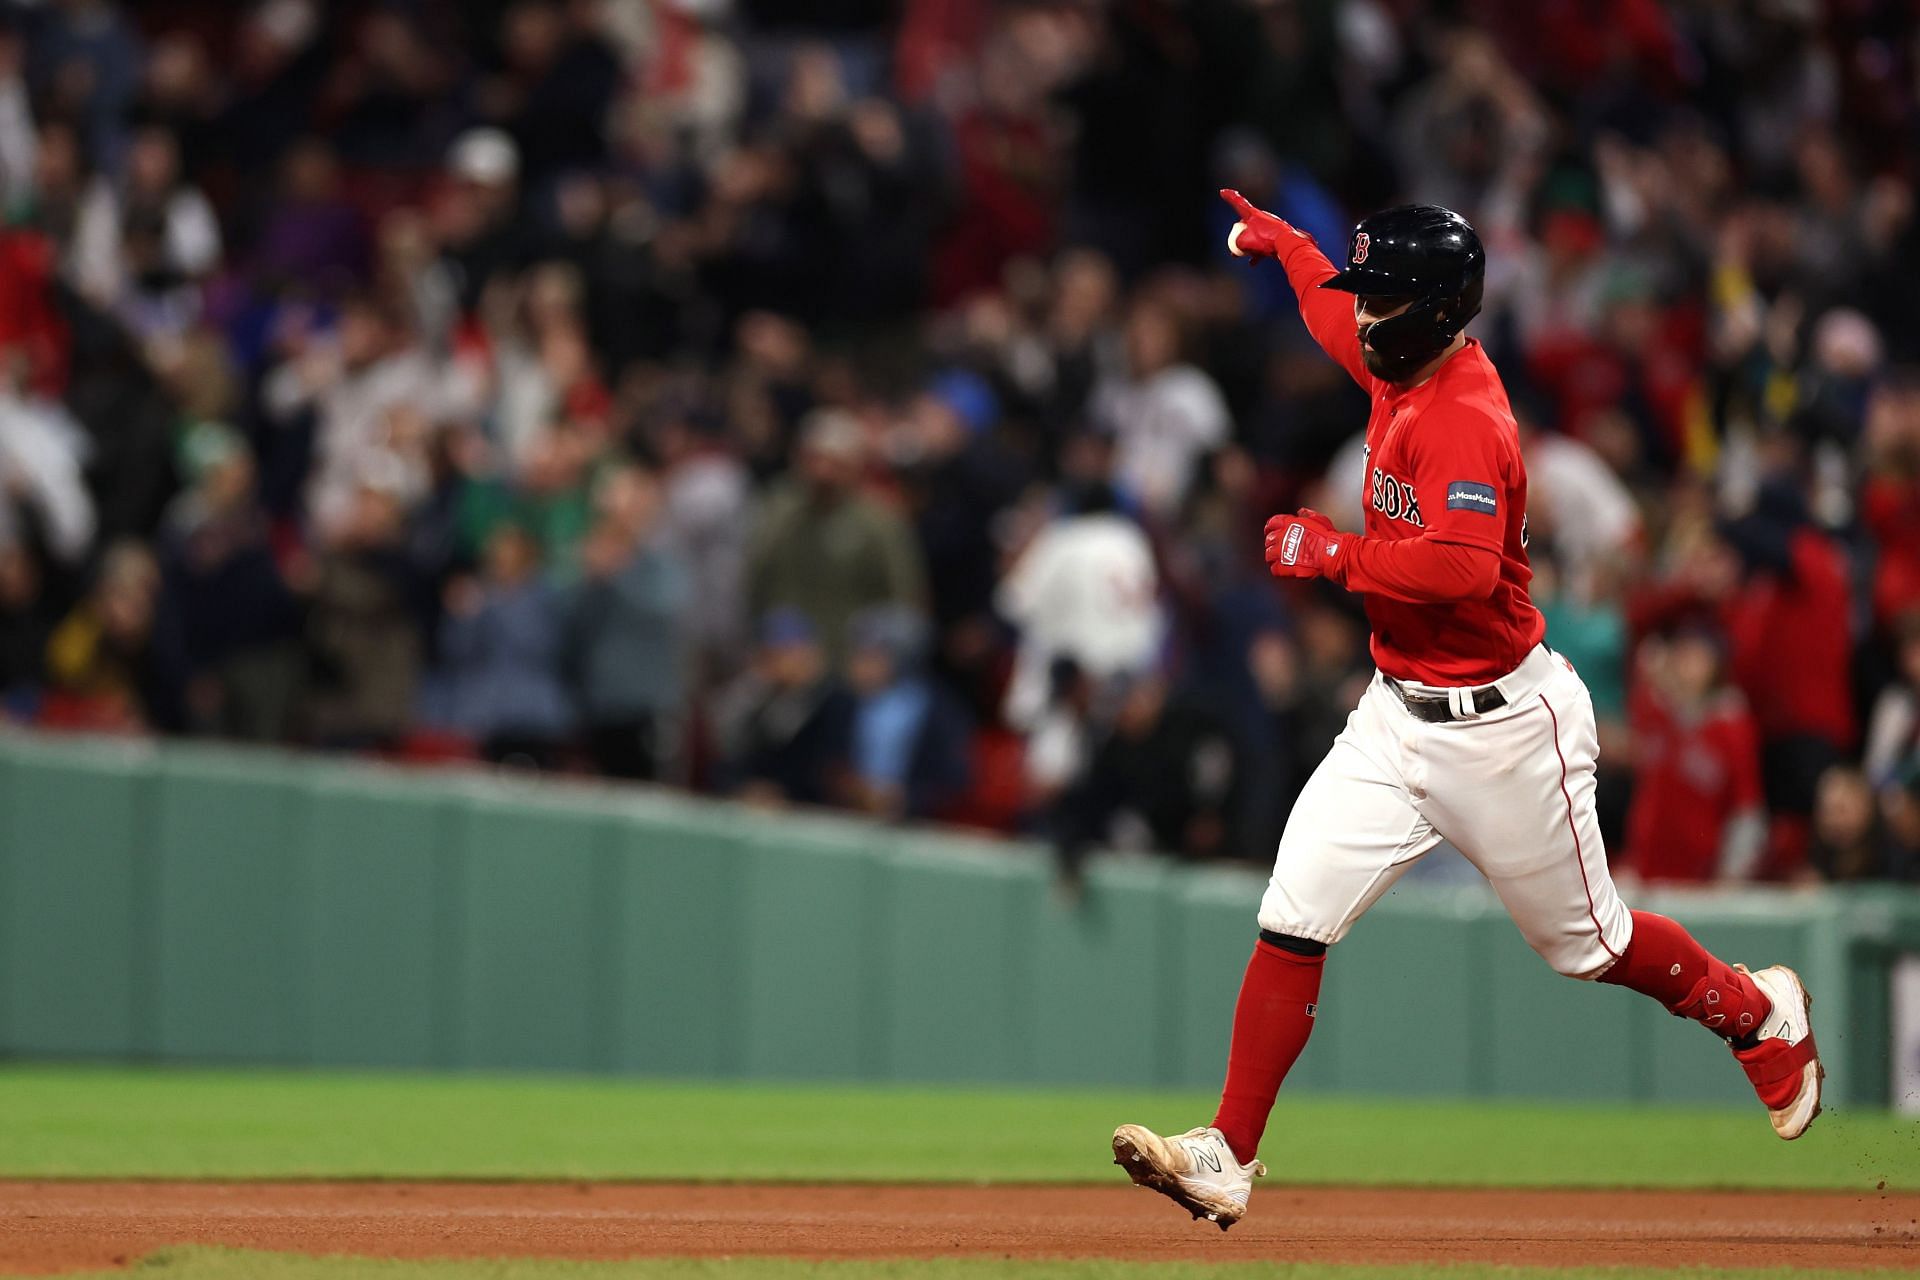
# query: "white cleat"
1782,1062
1195,1169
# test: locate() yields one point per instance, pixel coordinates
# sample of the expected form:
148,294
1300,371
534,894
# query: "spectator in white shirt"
1163,413
1574,493
372,395
1085,589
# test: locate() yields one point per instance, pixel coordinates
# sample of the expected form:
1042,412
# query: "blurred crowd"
853,404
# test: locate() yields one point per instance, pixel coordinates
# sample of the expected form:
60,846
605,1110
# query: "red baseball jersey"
1791,653
1694,773
1442,462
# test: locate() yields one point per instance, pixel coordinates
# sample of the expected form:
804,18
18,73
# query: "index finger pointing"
1239,203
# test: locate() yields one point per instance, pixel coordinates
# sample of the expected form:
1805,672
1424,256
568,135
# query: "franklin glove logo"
1290,548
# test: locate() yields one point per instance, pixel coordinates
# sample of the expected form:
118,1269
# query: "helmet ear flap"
1414,332
1418,334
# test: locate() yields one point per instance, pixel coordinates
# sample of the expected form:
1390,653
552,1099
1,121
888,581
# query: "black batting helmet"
1427,255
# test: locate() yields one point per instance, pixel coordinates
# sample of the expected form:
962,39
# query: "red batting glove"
1257,234
1315,519
1304,546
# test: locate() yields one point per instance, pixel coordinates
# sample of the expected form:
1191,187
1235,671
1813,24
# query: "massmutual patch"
1466,495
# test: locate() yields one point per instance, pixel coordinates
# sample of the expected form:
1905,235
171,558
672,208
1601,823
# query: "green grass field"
260,1124
116,1123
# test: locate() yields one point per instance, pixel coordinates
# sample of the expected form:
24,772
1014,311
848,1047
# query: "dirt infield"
51,1227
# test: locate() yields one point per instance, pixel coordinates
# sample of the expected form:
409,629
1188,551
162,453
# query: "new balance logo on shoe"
1191,1169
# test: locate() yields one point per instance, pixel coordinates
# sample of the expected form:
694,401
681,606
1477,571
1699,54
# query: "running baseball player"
1473,731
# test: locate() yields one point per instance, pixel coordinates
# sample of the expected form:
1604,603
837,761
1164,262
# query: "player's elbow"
1484,575
1467,573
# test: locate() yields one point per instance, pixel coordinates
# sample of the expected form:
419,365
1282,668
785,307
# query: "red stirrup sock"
1271,1023
1664,961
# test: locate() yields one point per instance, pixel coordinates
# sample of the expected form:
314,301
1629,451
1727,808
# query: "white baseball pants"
1511,789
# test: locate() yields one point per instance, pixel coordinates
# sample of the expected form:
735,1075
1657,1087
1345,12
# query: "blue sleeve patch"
1466,495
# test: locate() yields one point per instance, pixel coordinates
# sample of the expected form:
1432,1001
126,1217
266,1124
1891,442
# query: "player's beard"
1378,365
1395,369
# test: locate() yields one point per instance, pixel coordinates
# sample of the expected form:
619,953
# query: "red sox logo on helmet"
1360,243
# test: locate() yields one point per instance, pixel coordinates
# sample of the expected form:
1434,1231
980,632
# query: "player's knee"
1580,952
1583,963
1284,916
1293,942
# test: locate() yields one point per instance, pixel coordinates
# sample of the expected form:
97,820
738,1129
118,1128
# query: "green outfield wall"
189,904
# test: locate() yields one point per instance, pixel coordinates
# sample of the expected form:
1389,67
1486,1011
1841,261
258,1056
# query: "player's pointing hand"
1257,234
1304,545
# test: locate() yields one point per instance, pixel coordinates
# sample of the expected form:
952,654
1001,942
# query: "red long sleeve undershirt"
1418,570
1327,313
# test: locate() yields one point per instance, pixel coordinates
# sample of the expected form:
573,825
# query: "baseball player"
1472,731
